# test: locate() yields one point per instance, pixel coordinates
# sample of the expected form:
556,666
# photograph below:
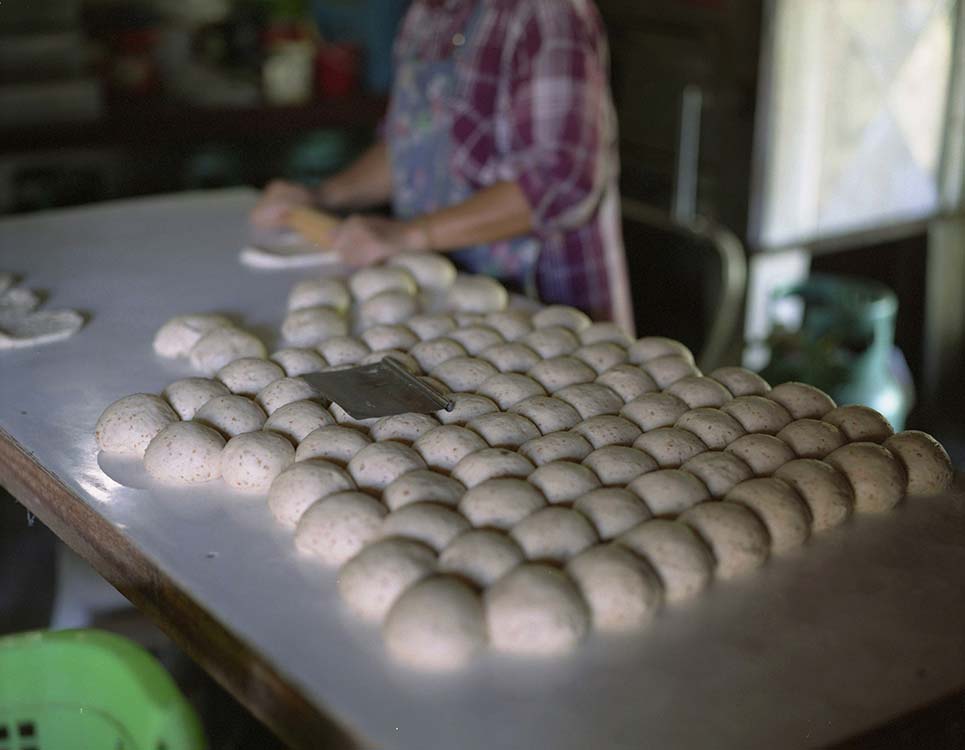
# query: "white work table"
862,625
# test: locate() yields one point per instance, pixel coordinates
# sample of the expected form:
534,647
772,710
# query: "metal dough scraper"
377,390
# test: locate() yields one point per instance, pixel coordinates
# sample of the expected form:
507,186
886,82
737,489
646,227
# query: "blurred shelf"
166,122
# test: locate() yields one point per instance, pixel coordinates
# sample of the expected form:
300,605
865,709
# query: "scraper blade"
377,390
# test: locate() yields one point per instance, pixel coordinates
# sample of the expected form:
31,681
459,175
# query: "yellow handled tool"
314,226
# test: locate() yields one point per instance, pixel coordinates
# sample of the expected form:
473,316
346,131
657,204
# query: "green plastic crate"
89,689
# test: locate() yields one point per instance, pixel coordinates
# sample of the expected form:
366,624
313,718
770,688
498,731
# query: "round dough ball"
556,446
464,373
422,486
758,414
563,316
765,454
719,471
508,389
591,399
250,462
232,415
535,609
740,381
654,410
430,270
877,479
608,429
680,558
501,503
627,381
697,391
547,413
428,327
343,350
404,428
130,423
324,292
605,332
827,493
386,336
188,395
553,534
476,294
551,342
666,371
925,461
184,452
781,509
248,375
669,492
621,589
560,372
735,535
368,282
812,438
220,346
303,483
332,443
284,391
612,511
430,523
491,463
715,428
564,481
654,347
468,319
511,324
377,465
337,528
476,339
310,326
860,423
445,446
388,308
298,420
438,625
617,465
481,556
504,430
801,400
670,447
511,356
342,417
295,361
178,336
372,581
465,408
602,355
430,354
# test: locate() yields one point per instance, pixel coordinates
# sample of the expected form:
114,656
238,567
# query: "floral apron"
419,134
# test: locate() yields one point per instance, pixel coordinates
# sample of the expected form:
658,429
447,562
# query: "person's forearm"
365,183
496,213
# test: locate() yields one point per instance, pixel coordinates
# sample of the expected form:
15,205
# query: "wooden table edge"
226,657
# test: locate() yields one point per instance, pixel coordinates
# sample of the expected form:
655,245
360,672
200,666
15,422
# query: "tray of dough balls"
585,485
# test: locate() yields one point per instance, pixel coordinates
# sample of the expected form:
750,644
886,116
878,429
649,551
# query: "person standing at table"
499,147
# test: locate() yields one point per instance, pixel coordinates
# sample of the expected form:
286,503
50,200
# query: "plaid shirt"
532,105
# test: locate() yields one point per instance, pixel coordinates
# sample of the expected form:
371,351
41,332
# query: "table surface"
863,624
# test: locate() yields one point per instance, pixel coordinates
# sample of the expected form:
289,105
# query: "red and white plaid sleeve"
558,106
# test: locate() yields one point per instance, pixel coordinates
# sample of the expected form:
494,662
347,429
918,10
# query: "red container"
337,69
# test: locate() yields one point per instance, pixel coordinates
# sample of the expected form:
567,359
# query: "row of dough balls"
417,560
324,308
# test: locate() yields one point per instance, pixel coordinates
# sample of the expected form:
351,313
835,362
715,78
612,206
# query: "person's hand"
278,198
366,240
